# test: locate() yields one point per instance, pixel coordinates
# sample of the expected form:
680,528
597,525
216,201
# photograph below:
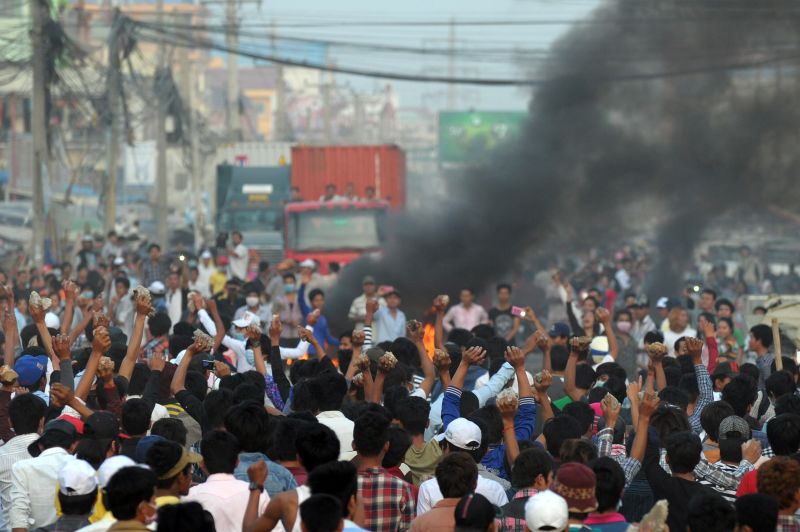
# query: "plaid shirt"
787,523
514,518
705,397
388,501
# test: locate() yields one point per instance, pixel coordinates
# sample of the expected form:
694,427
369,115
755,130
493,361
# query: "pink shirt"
460,317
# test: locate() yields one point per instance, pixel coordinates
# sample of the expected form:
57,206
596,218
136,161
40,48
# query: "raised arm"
604,317
530,315
416,332
706,392
646,410
439,305
37,313
143,309
88,316
508,411
540,388
570,387
12,335
179,378
71,292
358,341
62,349
100,345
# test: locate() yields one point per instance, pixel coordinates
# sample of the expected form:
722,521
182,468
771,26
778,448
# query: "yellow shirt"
217,281
166,500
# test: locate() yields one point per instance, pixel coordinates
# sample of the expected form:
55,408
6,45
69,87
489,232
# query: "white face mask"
251,301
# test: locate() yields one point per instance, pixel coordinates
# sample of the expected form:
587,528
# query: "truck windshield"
328,230
251,220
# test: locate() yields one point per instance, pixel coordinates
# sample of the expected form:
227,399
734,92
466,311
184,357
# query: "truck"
334,231
251,200
342,230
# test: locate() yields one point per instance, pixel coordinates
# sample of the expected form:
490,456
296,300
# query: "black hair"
77,504
129,487
250,424
492,420
303,395
683,451
321,513
124,281
779,384
331,387
763,334
215,406
456,475
460,337
474,512
247,392
582,413
559,429
220,450
757,511
337,479
196,384
709,512
314,293
161,457
584,376
484,331
611,369
26,411
740,393
529,464
185,517
674,396
610,481
153,246
789,365
653,337
135,419
783,434
392,396
723,301
171,429
787,404
577,450
469,403
669,419
709,317
159,324
616,387
559,354
688,385
728,321
282,440
139,377
749,370
502,286
370,433
399,442
712,415
413,413
316,445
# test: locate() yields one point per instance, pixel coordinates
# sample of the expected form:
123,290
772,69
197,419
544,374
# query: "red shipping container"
382,167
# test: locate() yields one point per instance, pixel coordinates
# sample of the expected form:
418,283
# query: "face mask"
252,301
288,288
251,359
87,295
236,335
624,326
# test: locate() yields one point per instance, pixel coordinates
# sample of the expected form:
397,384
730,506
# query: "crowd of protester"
169,394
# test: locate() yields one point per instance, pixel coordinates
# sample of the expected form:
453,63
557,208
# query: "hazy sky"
483,51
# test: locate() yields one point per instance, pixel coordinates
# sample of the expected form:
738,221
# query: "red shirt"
748,484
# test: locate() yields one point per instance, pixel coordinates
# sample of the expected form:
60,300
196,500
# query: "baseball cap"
157,287
368,280
546,511
102,425
185,459
52,321
733,425
144,445
110,466
76,421
642,301
463,433
205,254
559,328
723,369
663,302
598,349
308,263
222,260
246,319
119,261
30,368
51,429
576,484
77,477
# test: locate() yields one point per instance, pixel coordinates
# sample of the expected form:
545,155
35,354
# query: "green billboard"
468,137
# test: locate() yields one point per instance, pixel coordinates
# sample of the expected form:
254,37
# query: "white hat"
206,254
77,477
515,384
51,321
308,263
463,434
87,238
110,466
662,302
119,261
157,287
247,318
546,511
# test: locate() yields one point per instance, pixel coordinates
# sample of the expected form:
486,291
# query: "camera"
222,240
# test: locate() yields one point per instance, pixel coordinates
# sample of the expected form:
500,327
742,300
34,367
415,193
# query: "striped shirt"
13,451
726,491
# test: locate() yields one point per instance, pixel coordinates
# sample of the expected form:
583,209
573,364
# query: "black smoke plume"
660,114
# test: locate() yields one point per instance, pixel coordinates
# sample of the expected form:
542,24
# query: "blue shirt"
279,478
321,331
389,327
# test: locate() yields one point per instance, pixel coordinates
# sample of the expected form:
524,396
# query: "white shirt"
343,427
671,337
429,493
238,264
204,274
225,498
13,451
174,305
33,489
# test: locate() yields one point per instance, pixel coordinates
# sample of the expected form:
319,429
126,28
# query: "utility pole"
39,127
161,135
112,89
451,65
280,129
231,31
188,83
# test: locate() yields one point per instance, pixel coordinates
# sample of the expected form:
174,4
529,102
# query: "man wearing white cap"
205,269
103,519
462,435
77,495
546,511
